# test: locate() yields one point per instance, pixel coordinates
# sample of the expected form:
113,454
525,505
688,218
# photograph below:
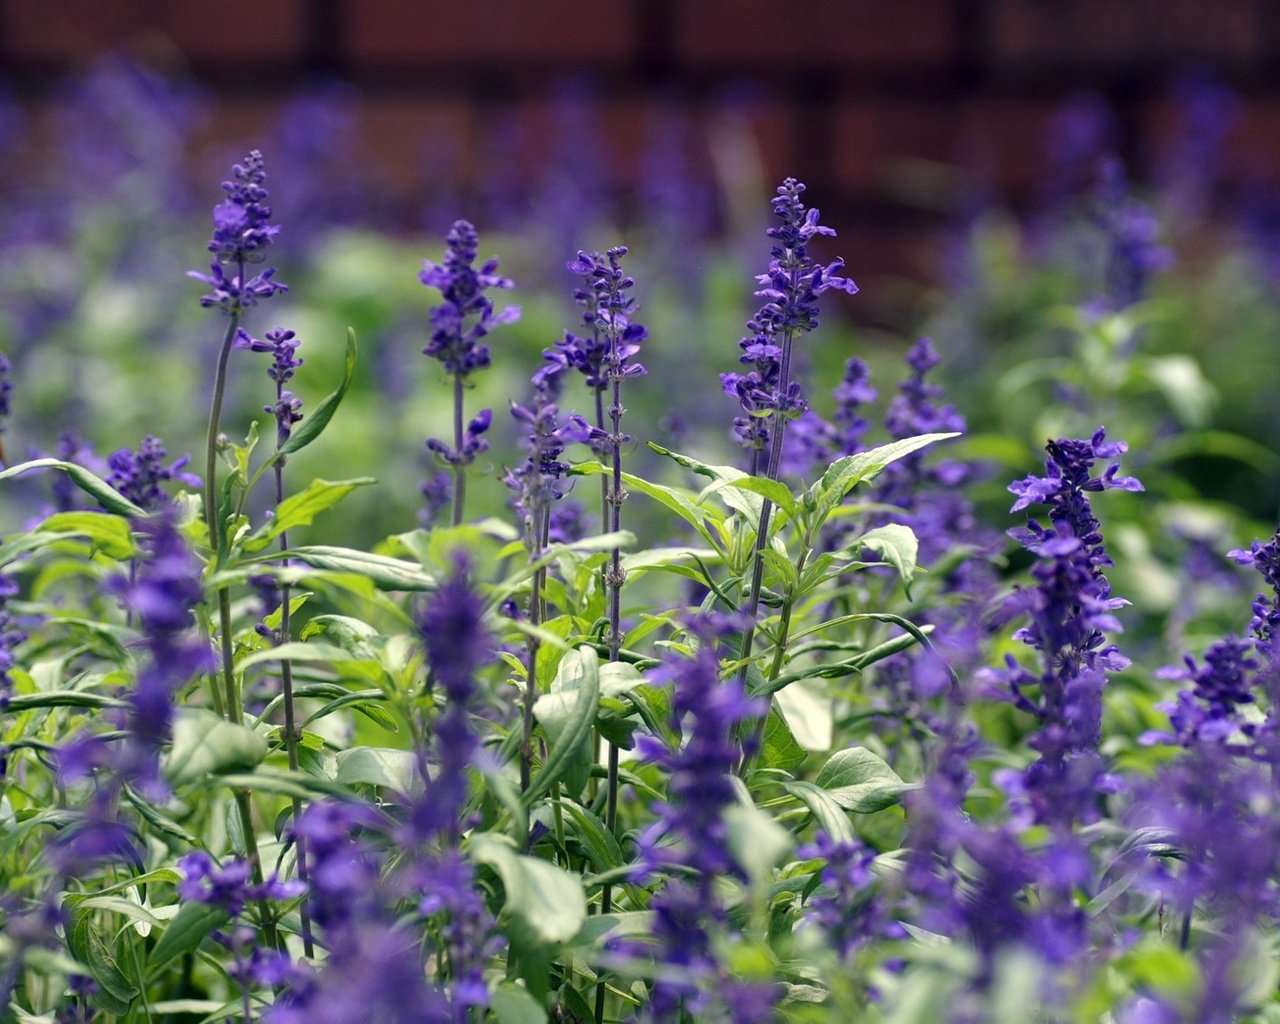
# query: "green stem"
459,470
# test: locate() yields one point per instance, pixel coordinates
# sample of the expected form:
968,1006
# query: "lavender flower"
10,638
1071,611
1130,229
283,346
6,394
161,597
437,493
690,829
1208,711
853,391
1264,557
845,908
228,886
458,324
790,287
538,481
241,233
138,475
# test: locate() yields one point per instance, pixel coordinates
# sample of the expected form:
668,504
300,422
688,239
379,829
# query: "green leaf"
677,501
741,500
755,840
312,426
567,717
897,545
845,474
59,699
286,783
378,766
108,533
385,573
204,744
511,1004
544,905
779,748
776,491
301,508
298,651
185,933
598,843
831,817
106,496
116,993
861,781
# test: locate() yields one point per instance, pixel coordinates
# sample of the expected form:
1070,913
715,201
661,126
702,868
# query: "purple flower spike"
138,475
790,288
241,233
467,314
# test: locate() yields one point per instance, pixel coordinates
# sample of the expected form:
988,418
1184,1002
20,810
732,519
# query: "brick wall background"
869,101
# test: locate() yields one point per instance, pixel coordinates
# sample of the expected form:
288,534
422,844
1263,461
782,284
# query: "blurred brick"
1002,140
1089,33
761,36
483,31
419,144
233,31
872,138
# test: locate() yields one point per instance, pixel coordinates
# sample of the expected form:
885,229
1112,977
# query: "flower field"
500,626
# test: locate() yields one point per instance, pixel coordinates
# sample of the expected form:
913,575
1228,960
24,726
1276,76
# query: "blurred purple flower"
138,475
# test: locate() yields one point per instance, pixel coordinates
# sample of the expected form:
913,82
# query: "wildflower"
853,391
283,346
458,324
241,233
138,475
790,288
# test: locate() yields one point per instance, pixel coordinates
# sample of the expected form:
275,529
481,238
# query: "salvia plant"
840,729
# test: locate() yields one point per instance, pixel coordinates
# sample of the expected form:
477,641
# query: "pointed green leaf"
861,781
567,717
301,508
378,766
108,533
831,817
106,496
845,474
385,573
897,545
204,744
312,426
195,921
544,906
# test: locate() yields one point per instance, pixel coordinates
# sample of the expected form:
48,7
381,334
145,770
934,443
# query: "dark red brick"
874,138
762,36
233,31
1089,33
480,31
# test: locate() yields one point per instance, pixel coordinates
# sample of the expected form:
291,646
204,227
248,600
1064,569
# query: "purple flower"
283,346
607,313
241,234
845,908
690,829
1266,607
1071,611
467,314
6,392
1131,232
437,493
228,886
138,475
853,391
538,481
790,288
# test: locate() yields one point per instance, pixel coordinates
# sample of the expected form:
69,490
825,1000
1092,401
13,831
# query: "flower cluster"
790,288
539,480
459,323
607,313
283,347
138,475
690,829
241,233
1265,558
227,886
1071,611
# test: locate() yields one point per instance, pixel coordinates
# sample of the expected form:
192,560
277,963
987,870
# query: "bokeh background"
961,148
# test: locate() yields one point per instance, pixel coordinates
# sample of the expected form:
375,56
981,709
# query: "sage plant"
464,317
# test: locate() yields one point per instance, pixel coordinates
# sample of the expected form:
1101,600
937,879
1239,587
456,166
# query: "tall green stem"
459,470
233,708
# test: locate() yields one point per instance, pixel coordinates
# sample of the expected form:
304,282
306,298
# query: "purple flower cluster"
227,886
6,392
1071,611
138,475
790,288
283,347
1265,558
690,829
10,638
607,312
459,323
241,233
538,481
846,907
1131,231
1208,711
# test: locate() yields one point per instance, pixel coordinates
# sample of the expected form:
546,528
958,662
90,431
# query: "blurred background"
1079,200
